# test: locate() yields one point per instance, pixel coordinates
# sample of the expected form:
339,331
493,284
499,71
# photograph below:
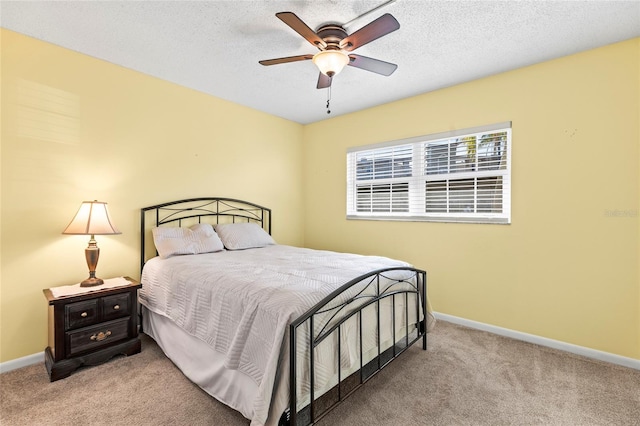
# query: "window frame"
478,181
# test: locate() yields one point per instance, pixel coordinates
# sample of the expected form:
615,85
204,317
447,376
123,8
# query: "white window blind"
458,176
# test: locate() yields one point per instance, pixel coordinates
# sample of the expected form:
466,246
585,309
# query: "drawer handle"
116,307
84,315
100,336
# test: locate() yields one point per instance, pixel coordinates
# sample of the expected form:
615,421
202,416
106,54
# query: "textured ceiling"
214,46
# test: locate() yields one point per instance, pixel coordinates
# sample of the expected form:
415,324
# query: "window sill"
407,218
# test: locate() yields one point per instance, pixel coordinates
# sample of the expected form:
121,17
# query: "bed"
279,333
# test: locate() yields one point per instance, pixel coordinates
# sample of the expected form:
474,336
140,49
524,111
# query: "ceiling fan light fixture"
331,62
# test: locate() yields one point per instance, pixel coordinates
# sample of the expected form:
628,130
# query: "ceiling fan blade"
296,24
373,65
285,60
323,81
372,31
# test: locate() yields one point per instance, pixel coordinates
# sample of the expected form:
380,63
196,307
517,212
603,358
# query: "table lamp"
92,219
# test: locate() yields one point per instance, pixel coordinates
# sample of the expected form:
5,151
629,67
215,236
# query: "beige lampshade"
330,62
92,219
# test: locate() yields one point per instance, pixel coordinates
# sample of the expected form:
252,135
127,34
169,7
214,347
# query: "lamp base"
91,282
92,253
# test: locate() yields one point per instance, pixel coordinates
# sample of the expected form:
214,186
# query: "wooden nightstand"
91,328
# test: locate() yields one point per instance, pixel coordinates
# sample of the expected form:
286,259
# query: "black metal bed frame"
329,315
371,289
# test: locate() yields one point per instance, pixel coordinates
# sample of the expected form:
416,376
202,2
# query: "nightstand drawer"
81,314
116,306
93,337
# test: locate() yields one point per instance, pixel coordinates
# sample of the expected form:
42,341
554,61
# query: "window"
458,176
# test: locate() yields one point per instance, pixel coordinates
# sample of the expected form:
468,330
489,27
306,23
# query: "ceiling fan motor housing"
332,35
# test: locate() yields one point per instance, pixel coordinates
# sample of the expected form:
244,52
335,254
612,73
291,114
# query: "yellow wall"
75,128
638,223
567,266
563,269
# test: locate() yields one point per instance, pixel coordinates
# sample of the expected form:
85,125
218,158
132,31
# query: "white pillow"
196,239
239,236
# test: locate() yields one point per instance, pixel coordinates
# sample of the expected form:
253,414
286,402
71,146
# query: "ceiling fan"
335,43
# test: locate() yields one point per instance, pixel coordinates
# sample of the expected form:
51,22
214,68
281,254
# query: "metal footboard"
399,291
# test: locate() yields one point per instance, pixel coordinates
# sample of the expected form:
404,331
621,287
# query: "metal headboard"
187,212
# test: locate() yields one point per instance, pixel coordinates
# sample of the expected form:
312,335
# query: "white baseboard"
25,361
543,341
531,338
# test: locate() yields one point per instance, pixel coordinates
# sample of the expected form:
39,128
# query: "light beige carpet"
467,377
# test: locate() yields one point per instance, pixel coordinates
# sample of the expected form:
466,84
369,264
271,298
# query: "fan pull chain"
328,99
